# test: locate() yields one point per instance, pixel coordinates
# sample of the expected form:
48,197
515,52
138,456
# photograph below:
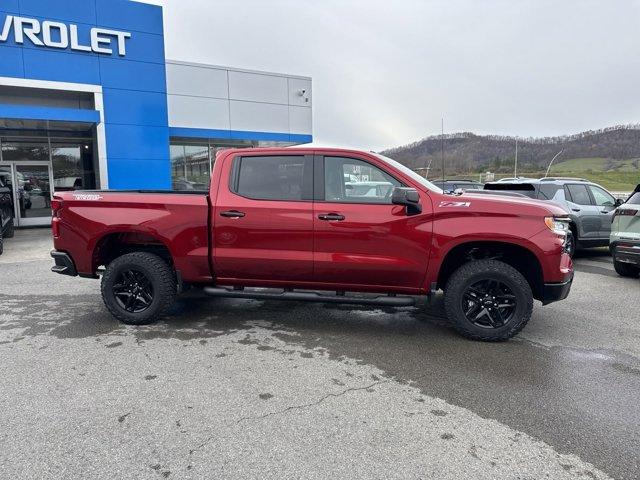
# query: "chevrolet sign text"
60,35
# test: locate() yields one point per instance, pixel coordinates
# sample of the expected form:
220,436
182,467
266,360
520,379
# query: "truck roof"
293,149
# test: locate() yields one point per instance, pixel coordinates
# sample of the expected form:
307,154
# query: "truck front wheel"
137,288
488,300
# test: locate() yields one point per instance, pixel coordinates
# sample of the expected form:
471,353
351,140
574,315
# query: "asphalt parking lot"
254,389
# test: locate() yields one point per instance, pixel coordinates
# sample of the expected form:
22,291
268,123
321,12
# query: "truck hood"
491,203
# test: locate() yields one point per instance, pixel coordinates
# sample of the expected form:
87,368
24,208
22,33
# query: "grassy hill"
615,175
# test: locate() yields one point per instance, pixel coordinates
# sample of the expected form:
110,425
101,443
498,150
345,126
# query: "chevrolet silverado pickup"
293,224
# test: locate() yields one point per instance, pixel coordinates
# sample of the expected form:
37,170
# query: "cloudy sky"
385,72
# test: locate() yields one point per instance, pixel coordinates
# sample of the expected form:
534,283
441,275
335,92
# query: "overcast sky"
385,72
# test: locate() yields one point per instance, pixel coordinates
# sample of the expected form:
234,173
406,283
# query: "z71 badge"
455,204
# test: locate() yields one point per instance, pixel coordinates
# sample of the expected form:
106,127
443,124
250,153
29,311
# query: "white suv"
625,237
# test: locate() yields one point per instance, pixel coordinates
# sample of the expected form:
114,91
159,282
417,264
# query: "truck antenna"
551,162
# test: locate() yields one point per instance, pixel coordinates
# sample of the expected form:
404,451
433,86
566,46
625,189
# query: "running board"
381,301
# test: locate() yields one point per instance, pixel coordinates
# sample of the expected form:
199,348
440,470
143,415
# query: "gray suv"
589,206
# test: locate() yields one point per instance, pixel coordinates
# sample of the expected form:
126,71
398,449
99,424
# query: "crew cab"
289,224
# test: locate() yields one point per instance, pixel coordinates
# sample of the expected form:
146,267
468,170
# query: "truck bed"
89,220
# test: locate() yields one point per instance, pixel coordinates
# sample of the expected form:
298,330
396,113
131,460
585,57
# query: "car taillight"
56,205
624,212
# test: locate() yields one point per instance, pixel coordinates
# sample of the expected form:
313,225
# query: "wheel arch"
117,243
519,257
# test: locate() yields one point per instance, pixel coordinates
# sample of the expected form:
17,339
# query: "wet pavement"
254,389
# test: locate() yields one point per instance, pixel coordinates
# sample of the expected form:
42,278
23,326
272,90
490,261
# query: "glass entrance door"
32,187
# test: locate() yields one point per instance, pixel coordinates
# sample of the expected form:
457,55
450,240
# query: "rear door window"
287,177
579,194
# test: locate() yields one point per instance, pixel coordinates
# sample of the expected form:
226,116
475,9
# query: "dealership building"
88,100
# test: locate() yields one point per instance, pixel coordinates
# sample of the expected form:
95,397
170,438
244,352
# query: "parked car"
450,186
6,209
369,189
625,237
283,218
589,206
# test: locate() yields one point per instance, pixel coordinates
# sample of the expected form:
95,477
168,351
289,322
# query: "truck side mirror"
619,202
407,197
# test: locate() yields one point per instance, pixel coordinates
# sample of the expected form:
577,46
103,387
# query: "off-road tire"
156,270
479,270
9,232
626,269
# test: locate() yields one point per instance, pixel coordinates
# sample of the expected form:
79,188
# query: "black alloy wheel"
488,300
489,304
133,291
138,287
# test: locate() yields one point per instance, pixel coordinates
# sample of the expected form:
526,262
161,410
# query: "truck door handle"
331,217
575,209
232,214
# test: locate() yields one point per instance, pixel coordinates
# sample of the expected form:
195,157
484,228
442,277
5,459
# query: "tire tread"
475,267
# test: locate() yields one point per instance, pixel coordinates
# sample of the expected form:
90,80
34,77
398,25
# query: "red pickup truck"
327,225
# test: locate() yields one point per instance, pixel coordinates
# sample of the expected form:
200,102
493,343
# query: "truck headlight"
559,226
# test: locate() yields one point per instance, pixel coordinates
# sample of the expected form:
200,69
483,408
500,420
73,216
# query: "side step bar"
382,301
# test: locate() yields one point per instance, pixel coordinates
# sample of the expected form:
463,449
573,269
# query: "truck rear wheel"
137,288
488,300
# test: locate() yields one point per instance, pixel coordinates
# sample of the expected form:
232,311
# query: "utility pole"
442,150
515,167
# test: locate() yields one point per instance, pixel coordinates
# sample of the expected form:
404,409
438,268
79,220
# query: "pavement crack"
312,404
294,407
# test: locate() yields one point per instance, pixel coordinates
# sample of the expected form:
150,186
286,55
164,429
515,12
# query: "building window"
72,166
190,167
192,161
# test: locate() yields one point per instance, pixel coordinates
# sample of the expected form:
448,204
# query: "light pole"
515,167
551,162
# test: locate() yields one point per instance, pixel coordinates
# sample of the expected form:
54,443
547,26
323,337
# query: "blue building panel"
60,66
137,173
77,11
127,141
131,107
10,6
27,112
124,74
145,47
11,64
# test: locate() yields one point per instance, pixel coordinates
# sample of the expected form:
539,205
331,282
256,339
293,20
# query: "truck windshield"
410,173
